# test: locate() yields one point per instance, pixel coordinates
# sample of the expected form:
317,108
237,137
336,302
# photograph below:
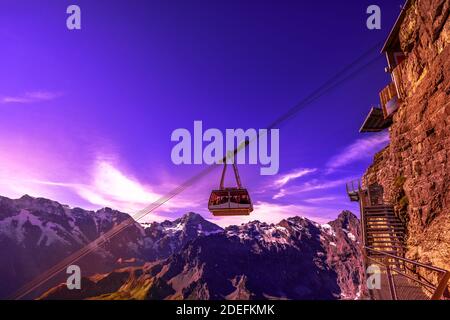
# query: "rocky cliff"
414,169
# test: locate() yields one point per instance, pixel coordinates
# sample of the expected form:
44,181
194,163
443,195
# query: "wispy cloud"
312,185
320,199
295,174
111,187
30,97
104,185
361,149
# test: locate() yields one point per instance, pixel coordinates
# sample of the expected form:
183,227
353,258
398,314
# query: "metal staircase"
384,231
384,246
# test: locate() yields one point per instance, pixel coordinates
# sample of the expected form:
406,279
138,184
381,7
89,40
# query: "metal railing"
353,186
404,279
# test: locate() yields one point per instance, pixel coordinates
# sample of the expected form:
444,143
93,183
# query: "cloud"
297,173
93,181
320,199
30,97
312,185
103,185
281,180
361,149
111,187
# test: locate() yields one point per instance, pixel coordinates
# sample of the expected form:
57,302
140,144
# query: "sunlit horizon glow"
110,187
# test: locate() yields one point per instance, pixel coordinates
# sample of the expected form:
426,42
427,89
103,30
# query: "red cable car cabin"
230,201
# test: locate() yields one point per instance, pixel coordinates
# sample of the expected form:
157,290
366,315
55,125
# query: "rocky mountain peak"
346,219
26,197
191,217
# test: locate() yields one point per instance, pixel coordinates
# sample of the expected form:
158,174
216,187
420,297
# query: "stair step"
393,246
381,231
385,228
378,209
384,245
393,252
386,221
382,218
387,224
378,247
379,258
391,263
384,225
380,239
379,214
378,206
377,232
383,253
376,222
384,237
372,243
386,258
372,240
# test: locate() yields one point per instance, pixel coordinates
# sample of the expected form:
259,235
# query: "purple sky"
86,116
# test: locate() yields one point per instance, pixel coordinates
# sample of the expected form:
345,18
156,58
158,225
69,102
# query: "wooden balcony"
353,189
375,121
392,94
389,100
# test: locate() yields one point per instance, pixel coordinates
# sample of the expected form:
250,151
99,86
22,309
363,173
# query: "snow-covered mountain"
168,237
37,233
189,258
294,259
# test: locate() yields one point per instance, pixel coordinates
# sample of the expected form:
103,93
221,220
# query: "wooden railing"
388,99
394,92
397,77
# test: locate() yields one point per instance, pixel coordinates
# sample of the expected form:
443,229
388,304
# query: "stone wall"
414,169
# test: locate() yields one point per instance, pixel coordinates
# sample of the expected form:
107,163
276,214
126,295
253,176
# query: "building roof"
393,35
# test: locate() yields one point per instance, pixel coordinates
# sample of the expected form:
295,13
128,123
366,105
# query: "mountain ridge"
168,260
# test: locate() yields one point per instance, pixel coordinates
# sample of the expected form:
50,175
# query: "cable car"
230,201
